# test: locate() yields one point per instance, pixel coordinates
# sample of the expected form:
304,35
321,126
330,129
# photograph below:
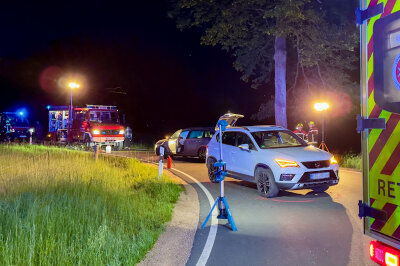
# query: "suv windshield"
277,139
104,117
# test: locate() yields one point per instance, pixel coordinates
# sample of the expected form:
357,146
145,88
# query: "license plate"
110,139
320,175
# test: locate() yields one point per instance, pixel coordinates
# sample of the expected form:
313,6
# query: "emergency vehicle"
379,125
14,126
92,125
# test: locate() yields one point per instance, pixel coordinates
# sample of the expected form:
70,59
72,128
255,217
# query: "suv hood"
301,154
161,141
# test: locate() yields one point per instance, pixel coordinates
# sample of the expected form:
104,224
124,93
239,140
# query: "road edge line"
205,254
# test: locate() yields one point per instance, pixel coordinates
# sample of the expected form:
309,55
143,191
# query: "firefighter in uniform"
300,132
312,132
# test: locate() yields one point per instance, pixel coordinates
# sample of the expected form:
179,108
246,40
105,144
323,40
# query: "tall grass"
350,161
60,207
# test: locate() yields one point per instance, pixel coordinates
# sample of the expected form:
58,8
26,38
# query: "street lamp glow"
321,106
73,85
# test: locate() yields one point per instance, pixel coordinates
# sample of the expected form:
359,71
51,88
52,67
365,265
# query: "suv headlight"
286,163
333,160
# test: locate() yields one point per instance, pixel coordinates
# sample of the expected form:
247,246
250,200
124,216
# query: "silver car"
189,142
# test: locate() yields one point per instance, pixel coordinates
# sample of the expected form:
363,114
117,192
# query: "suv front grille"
317,164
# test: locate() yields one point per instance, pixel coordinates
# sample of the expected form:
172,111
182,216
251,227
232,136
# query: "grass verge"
60,207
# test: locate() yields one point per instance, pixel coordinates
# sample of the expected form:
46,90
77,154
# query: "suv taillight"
383,254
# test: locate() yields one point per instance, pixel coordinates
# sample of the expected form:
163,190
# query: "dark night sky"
170,79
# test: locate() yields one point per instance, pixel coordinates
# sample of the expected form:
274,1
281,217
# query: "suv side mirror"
244,147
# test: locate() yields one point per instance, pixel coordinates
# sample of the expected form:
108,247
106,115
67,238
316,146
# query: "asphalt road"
296,228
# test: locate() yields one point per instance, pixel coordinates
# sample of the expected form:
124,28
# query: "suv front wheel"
211,169
265,181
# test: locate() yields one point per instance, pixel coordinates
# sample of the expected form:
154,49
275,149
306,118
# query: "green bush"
60,207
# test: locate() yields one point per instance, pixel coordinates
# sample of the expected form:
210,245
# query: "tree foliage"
320,35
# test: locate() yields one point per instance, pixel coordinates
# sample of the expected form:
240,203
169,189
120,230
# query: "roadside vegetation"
350,161
60,207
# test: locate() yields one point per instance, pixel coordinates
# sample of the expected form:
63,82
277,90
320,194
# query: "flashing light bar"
383,254
107,107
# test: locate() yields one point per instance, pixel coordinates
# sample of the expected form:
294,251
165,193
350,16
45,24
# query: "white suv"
274,158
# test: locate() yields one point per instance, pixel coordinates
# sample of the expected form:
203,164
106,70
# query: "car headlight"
286,163
333,160
96,132
121,132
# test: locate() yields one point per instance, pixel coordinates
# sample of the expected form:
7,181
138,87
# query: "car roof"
199,128
257,128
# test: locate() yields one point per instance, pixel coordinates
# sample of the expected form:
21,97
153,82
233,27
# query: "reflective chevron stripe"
384,145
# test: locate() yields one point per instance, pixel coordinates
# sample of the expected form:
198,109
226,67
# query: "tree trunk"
280,81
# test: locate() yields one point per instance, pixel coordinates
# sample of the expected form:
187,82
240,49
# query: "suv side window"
196,134
243,138
229,138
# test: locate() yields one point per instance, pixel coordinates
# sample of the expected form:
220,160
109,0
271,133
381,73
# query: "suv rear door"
228,146
243,160
193,142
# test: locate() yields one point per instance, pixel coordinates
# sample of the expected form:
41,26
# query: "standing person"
39,132
312,132
128,137
300,131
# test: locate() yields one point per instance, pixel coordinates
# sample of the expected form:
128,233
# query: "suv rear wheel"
265,181
211,169
202,154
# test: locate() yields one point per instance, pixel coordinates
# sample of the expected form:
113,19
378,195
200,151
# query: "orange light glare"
286,163
333,160
321,106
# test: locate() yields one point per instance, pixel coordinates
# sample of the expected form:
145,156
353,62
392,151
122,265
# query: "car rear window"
208,134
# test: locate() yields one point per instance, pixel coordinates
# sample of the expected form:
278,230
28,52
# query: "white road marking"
205,254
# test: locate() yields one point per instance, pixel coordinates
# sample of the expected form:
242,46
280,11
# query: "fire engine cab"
14,126
92,125
379,125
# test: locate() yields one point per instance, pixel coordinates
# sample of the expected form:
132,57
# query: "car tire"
202,153
321,188
265,182
211,169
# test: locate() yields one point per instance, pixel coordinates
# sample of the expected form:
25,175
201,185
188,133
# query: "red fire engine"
92,125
